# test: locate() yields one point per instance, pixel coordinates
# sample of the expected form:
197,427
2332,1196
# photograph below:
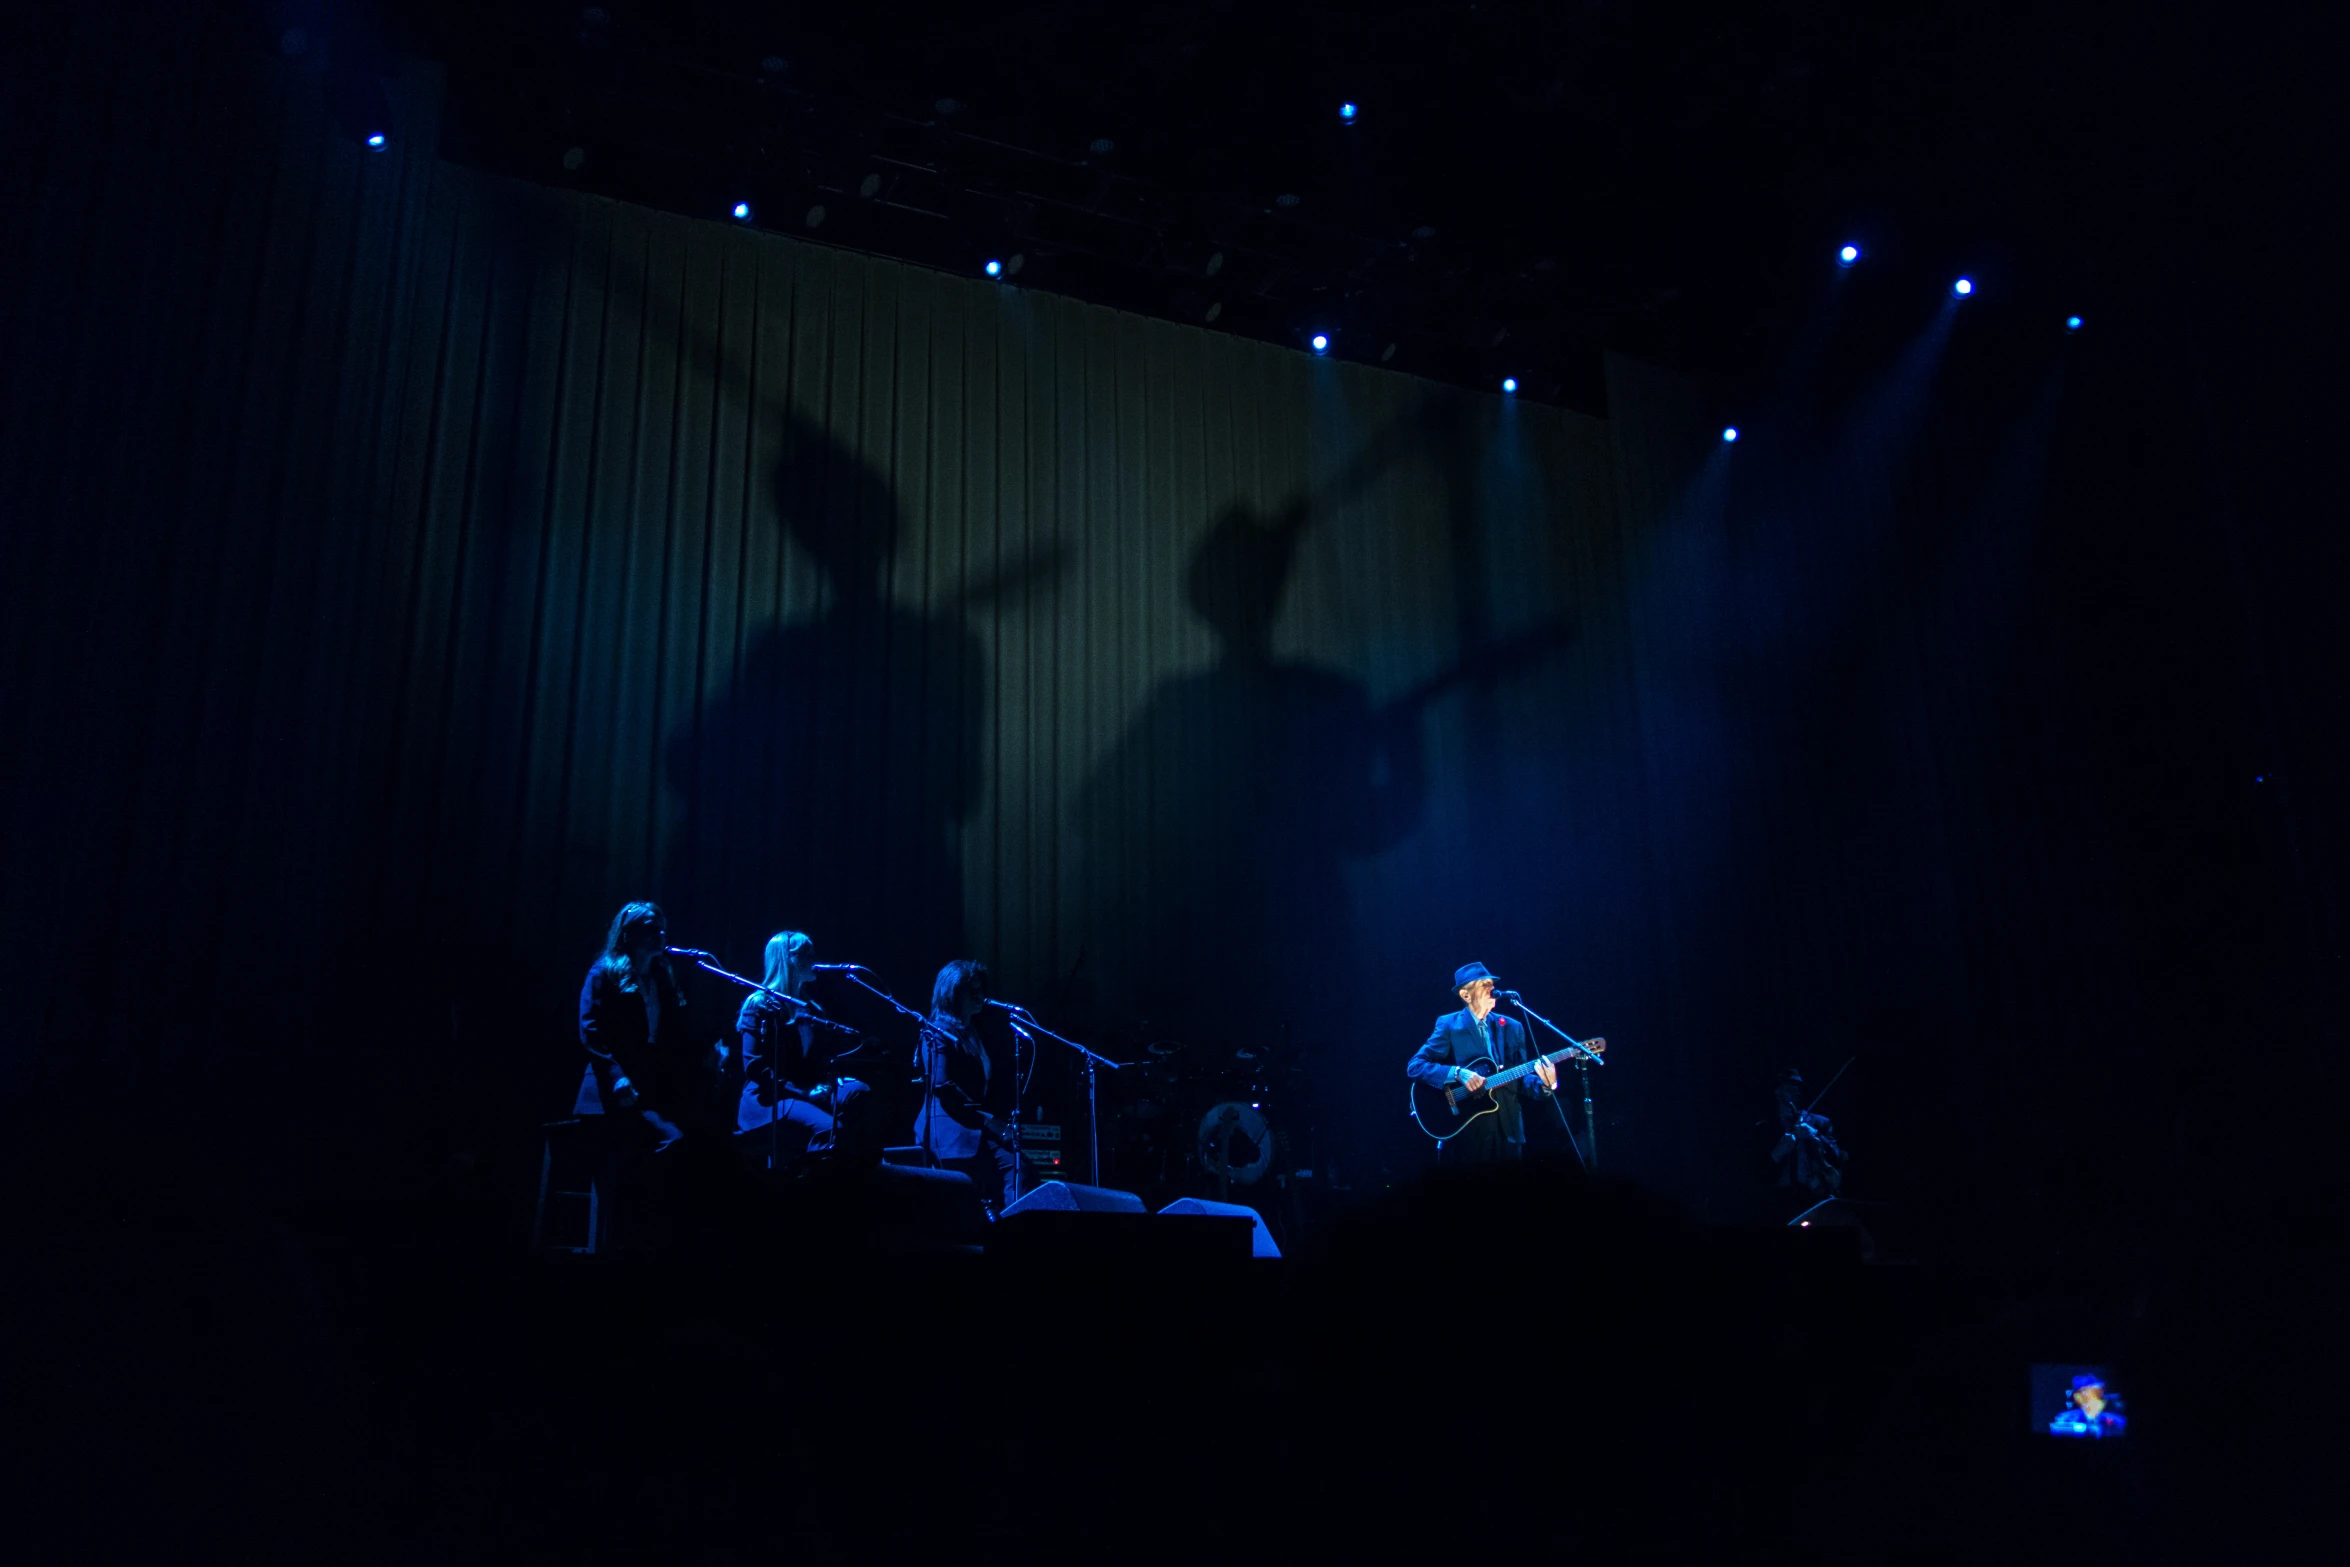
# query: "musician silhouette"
1218,827
829,781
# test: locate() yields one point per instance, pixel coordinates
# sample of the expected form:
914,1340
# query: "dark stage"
1133,561
1515,1362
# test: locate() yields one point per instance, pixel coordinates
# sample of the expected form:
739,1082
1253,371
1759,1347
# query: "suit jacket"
1454,1043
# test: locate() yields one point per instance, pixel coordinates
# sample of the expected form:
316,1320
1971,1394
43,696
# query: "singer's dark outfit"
637,1037
1457,1041
664,1165
801,1058
962,1081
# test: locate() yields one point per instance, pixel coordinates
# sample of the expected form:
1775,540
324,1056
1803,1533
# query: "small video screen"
2082,1402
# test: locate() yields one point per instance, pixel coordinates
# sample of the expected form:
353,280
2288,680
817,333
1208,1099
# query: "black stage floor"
1519,1362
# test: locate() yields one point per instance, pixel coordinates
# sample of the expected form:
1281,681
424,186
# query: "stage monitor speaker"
888,1208
1261,1242
1068,1197
924,1210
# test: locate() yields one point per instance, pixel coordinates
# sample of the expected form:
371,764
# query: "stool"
570,1169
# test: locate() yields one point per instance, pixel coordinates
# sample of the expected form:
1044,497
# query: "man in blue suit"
1475,1033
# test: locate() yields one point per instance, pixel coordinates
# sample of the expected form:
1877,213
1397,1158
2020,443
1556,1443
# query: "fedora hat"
1469,973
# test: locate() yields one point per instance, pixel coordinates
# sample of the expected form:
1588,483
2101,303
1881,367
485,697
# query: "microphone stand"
1020,1036
805,1013
1589,1153
855,974
1093,1117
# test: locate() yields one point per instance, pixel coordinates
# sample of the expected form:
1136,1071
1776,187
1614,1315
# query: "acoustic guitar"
1444,1112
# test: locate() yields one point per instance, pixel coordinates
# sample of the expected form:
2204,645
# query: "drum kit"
1203,1117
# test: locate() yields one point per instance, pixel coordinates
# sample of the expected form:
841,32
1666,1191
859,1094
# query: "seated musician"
955,1123
786,1062
632,1025
1460,1040
655,1081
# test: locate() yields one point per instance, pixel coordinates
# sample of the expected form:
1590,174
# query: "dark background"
409,562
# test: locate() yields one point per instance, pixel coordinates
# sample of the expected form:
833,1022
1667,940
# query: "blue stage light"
1963,287
1848,255
1729,432
2072,323
1321,343
994,269
375,138
1509,383
1346,112
742,212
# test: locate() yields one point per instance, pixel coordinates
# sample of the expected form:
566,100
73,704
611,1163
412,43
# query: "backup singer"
1463,1037
955,1123
632,1023
785,1061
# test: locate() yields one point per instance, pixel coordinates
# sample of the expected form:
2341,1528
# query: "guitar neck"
1512,1074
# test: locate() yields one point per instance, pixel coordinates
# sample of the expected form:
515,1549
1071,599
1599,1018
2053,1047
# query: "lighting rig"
747,142
1322,256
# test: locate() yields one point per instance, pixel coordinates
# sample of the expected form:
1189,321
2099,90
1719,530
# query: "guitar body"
1445,1113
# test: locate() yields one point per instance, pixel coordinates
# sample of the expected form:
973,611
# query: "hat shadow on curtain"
825,786
1219,829
1220,824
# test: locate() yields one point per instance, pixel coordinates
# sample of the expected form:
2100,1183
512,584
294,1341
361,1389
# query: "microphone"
1004,1005
839,968
1509,995
694,953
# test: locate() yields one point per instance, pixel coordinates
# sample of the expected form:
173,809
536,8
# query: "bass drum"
1235,1143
